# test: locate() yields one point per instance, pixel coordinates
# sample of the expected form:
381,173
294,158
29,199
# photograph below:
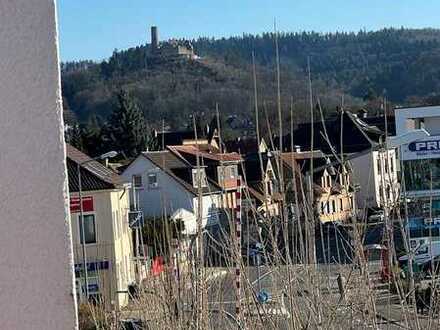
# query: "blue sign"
424,145
92,266
422,149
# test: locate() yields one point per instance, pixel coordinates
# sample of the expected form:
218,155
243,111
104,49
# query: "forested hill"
404,63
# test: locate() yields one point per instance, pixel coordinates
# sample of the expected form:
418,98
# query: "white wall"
36,264
169,194
364,175
403,114
368,176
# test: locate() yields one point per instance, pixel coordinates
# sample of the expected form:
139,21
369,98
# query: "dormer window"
199,176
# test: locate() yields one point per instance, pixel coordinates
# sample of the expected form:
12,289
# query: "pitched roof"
194,150
357,135
179,169
94,175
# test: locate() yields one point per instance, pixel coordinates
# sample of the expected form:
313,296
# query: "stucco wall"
36,272
169,194
368,176
113,242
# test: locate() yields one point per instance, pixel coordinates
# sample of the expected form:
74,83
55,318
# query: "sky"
92,29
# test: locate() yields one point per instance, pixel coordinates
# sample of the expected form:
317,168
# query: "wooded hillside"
403,63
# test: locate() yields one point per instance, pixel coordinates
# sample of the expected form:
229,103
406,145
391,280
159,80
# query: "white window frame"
152,185
204,180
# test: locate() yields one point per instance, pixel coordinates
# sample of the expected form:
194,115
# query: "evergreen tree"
127,129
93,137
74,136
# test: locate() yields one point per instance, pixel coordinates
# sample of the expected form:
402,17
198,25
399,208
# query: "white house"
166,186
374,172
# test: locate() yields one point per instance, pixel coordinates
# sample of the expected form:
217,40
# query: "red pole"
238,251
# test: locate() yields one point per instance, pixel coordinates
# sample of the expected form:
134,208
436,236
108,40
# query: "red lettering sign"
87,204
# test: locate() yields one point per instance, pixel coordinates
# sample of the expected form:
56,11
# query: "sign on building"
427,148
87,203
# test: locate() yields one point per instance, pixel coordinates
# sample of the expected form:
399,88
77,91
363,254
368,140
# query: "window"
334,205
322,207
228,172
386,165
137,181
152,180
328,207
341,205
391,164
202,178
378,164
89,229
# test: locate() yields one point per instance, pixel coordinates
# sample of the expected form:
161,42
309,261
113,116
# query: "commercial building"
421,159
107,234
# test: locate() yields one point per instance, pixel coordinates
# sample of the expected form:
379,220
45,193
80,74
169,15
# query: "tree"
127,129
92,137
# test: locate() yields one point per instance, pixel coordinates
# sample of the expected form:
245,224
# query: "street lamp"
110,154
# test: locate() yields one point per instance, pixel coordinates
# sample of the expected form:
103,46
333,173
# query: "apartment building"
107,235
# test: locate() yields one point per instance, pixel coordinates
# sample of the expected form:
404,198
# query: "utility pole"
83,241
238,309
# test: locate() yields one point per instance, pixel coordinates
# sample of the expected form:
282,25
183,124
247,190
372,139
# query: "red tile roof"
208,154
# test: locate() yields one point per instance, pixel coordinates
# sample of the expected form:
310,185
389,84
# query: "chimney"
154,38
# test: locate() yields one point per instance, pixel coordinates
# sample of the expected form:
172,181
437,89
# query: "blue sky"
92,29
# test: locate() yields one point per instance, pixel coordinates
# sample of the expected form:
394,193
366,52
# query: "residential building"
375,176
333,194
107,234
167,186
259,174
359,141
220,168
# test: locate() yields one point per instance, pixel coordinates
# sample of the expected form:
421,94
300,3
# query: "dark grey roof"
94,175
178,169
357,135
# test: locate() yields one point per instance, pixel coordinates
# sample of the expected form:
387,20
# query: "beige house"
335,199
332,187
108,237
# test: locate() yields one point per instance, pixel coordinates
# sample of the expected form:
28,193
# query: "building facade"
166,186
375,175
107,234
421,159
